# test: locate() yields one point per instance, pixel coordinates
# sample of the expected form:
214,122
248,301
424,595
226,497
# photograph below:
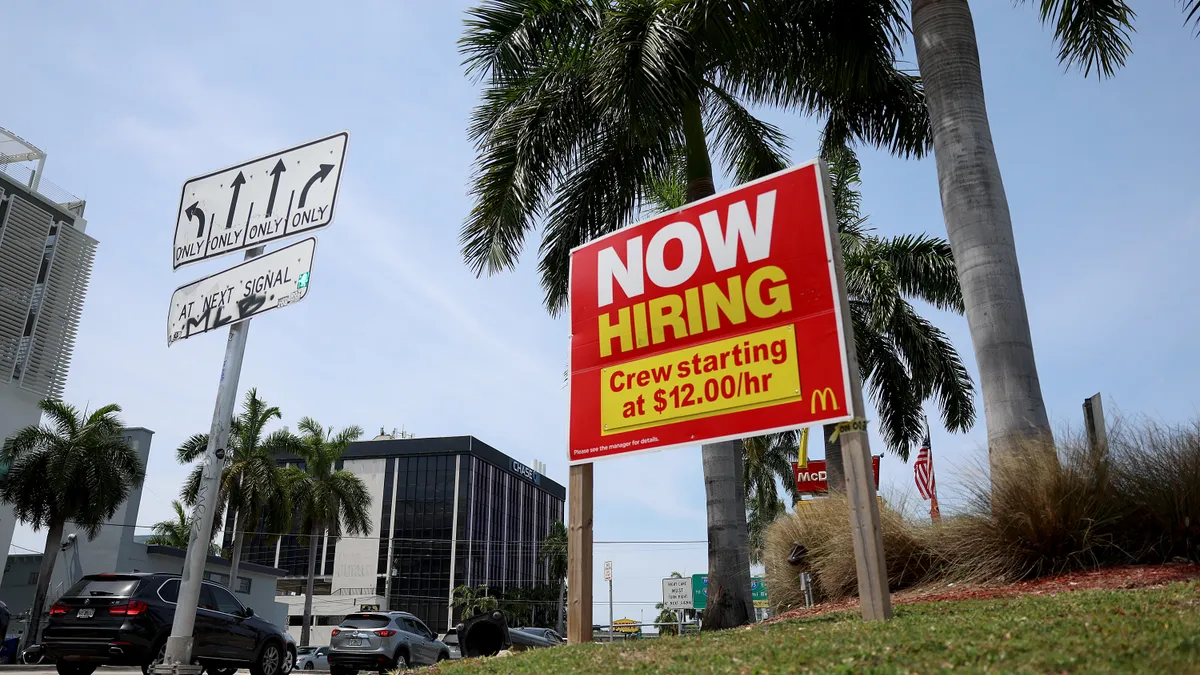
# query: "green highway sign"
758,591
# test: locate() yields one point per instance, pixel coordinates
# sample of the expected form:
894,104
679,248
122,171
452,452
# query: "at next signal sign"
716,321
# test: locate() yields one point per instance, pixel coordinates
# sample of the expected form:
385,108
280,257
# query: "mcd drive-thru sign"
716,321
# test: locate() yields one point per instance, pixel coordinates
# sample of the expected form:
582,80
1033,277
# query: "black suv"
125,619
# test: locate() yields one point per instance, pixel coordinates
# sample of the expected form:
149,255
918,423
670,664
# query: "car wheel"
401,661
308,666
289,661
269,661
160,656
65,668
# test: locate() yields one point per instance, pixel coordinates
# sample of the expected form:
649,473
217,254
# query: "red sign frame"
716,321
818,485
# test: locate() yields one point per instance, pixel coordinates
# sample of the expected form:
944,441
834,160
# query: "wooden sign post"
873,592
579,555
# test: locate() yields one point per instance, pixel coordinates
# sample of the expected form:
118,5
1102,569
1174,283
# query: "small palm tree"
667,617
177,533
252,484
554,554
474,601
761,512
328,499
78,468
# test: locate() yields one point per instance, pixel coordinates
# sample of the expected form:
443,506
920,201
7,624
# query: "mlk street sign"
257,286
716,321
259,201
677,593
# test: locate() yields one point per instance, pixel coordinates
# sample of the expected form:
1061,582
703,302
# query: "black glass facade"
490,534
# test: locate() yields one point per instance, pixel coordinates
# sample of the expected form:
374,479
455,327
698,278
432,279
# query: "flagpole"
935,514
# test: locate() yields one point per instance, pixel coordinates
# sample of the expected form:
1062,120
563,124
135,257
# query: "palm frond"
1091,34
503,37
750,147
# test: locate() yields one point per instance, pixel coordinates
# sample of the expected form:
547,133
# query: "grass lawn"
1151,630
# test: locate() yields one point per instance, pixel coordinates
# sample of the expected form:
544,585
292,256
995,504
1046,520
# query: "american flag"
923,472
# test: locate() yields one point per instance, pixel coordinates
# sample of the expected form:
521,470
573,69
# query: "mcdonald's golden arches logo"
825,396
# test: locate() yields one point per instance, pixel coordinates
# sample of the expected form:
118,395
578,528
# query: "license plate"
354,642
85,613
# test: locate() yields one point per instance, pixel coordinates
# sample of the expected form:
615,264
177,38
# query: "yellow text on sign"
741,373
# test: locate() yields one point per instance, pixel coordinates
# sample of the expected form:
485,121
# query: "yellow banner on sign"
742,373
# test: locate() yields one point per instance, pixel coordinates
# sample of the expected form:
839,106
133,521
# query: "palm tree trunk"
729,600
313,539
49,556
235,557
979,225
562,587
835,468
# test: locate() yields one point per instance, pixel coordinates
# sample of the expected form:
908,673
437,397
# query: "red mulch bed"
1110,578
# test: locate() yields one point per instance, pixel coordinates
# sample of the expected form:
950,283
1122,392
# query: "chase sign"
528,473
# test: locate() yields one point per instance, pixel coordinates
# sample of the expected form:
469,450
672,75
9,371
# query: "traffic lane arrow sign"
279,195
257,286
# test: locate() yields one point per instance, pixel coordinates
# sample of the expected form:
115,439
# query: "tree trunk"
978,225
313,540
235,556
835,467
729,600
49,556
562,587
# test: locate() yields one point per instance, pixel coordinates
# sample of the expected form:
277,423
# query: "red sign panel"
716,321
812,478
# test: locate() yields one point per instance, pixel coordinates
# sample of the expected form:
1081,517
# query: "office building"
445,511
45,265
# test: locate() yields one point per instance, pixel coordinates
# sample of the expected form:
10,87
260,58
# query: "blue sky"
129,99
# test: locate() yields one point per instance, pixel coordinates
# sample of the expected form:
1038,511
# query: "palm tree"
587,102
761,512
904,360
252,483
78,468
473,601
177,533
554,555
328,499
1092,34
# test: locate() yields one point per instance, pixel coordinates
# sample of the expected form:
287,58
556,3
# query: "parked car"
450,639
383,641
313,658
125,619
549,634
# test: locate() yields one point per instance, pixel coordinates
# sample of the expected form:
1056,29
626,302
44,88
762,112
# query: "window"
365,621
207,601
103,587
33,578
216,577
243,585
225,602
169,592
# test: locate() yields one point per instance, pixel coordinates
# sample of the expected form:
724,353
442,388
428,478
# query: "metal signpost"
608,578
242,207
721,320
